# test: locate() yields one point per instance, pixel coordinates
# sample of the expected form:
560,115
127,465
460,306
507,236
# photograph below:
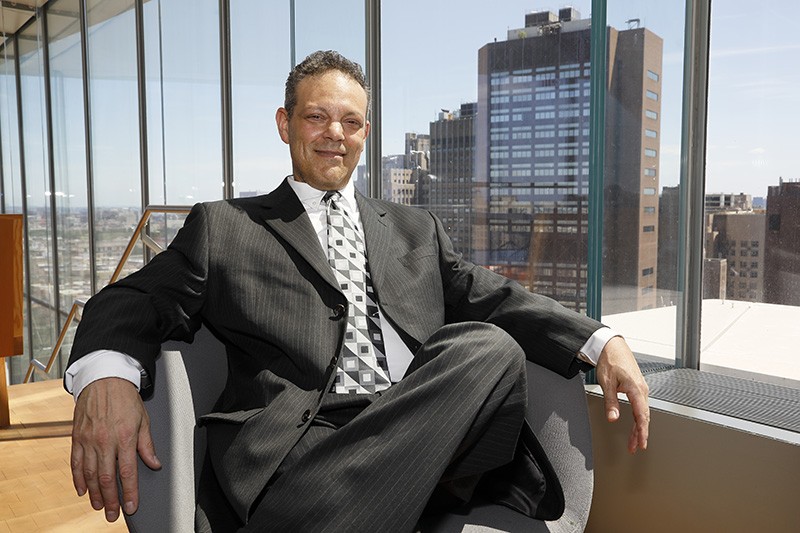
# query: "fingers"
107,483
76,465
105,438
617,371
145,446
641,418
129,479
612,405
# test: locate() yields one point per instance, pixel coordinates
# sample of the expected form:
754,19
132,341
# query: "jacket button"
306,416
340,311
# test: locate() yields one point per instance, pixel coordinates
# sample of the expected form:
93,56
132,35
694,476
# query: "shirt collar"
311,197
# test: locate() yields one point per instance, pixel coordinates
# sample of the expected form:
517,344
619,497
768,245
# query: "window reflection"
115,131
260,62
183,101
69,157
752,246
38,192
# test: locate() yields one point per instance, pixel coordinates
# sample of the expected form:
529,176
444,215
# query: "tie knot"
331,196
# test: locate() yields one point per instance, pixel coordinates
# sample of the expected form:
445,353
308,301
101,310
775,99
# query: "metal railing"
138,235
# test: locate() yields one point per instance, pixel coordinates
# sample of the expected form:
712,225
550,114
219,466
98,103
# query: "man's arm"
109,428
550,334
133,316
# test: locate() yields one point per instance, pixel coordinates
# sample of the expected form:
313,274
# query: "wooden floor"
36,492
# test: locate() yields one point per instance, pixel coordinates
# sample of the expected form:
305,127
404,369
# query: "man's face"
327,129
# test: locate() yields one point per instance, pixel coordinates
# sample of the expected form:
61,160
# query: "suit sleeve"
550,334
160,302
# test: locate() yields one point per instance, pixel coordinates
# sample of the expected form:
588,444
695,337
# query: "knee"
481,339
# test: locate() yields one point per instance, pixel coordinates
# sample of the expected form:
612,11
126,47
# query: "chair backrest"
190,377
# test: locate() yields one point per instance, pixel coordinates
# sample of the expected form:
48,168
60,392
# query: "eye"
315,117
353,123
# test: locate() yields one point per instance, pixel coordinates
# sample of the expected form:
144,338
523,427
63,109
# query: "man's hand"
617,371
110,425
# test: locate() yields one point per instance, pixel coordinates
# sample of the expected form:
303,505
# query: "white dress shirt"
106,363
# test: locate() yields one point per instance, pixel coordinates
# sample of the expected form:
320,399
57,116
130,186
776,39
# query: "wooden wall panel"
11,307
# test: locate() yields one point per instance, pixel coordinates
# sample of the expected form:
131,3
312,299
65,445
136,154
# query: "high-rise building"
668,216
782,247
402,173
532,160
737,236
448,186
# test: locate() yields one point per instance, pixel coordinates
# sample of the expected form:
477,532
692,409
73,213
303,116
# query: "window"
185,152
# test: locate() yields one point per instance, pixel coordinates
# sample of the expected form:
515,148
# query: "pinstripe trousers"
370,463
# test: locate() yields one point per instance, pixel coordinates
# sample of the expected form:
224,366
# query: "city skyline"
748,149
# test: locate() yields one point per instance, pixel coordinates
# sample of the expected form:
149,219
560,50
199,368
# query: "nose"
335,131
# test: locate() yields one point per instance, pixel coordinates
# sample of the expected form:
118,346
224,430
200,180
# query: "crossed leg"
456,414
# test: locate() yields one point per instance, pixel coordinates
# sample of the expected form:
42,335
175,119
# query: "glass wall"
9,132
12,175
260,61
489,125
41,285
183,101
487,120
115,131
69,156
751,304
643,108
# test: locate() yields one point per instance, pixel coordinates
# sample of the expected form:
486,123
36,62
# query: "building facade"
449,184
782,258
532,160
738,237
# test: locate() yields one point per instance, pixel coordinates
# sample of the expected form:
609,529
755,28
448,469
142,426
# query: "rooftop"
743,339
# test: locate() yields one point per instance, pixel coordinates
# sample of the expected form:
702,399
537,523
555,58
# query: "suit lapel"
378,237
286,215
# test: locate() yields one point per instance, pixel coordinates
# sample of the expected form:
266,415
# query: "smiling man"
373,373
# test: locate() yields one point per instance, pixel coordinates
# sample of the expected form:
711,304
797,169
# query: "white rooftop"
737,338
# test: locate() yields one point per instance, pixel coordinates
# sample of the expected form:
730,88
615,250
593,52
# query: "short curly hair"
321,62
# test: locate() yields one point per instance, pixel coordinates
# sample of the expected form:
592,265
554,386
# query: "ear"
282,120
367,127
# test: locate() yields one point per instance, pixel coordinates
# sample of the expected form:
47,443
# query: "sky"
429,53
430,62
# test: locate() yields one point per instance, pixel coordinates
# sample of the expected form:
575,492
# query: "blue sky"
429,52
430,62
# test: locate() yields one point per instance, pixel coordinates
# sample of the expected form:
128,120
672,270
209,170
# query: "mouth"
330,153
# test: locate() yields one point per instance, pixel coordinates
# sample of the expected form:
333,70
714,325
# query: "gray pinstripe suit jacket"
253,272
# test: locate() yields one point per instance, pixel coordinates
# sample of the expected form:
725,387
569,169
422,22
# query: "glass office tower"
533,160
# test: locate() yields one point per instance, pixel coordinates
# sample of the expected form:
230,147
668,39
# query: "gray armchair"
191,377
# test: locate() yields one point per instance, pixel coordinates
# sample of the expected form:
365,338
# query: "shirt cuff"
101,364
590,352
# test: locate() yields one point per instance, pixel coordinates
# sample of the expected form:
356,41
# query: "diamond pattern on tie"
362,365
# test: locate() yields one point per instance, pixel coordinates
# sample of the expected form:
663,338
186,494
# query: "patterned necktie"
362,366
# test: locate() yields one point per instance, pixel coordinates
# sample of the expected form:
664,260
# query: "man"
372,371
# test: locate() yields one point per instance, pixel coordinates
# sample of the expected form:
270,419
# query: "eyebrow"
318,108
